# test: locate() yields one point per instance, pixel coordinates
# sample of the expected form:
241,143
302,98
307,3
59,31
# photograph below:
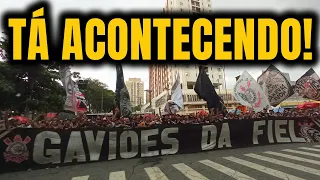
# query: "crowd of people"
150,120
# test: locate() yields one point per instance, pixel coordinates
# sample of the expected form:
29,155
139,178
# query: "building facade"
188,6
162,77
136,91
192,103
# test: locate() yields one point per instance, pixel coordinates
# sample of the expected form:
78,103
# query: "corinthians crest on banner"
275,85
249,93
17,150
308,85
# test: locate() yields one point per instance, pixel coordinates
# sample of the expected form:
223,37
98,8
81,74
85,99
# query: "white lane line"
263,169
155,173
302,153
189,172
317,146
285,164
293,157
81,178
230,172
118,175
310,149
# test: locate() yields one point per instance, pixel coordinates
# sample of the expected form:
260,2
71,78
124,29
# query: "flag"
176,93
122,94
207,92
308,85
275,85
170,108
80,101
176,102
249,93
68,84
75,100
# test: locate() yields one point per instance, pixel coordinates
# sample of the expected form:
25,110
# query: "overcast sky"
106,73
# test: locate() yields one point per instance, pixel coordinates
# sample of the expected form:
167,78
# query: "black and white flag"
122,94
206,91
308,85
275,85
176,102
68,84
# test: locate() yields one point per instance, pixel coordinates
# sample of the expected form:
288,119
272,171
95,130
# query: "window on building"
181,10
219,69
187,74
220,77
195,3
181,4
209,5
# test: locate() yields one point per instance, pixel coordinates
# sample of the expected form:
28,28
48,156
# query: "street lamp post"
102,100
225,83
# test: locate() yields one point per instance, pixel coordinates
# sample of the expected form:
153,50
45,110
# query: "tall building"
188,6
136,91
148,96
162,77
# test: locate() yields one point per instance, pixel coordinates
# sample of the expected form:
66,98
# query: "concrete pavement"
271,162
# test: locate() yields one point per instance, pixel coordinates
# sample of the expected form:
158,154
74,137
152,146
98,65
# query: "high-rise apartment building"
188,6
162,77
136,91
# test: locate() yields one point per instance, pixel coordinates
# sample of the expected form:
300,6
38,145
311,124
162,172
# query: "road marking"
155,173
119,175
189,172
293,157
302,152
310,149
285,164
263,169
81,178
226,170
317,146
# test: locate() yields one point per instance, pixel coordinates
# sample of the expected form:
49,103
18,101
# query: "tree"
29,87
137,108
97,93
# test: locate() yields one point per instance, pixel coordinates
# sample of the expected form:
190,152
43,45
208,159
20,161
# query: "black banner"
22,149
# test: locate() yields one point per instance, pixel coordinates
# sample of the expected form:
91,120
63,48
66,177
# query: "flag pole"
225,82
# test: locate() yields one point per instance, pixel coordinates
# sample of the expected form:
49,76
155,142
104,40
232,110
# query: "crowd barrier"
22,149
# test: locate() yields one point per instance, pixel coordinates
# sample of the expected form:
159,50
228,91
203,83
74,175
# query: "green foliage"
96,93
137,108
30,88
37,87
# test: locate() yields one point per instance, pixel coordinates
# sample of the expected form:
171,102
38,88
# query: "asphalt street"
271,162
